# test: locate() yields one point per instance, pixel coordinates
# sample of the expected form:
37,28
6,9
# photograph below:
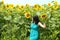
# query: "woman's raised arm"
42,25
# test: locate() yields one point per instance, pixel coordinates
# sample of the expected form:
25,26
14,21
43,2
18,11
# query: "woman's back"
34,31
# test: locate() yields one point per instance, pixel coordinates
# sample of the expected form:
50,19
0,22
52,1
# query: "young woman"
34,28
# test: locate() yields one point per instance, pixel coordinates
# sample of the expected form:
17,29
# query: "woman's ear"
32,19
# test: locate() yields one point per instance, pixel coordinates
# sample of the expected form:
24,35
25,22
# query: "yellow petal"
27,15
49,4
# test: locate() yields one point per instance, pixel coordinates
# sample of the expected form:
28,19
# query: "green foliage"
15,26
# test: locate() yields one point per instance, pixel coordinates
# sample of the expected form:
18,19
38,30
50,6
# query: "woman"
34,28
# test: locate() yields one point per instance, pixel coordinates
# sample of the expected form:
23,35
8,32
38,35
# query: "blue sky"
31,2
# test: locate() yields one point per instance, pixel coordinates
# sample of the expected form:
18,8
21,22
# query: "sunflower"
36,6
11,5
27,15
22,7
41,7
56,3
2,1
6,6
43,16
27,5
9,12
17,5
55,7
49,4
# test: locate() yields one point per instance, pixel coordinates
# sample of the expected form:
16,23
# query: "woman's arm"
42,25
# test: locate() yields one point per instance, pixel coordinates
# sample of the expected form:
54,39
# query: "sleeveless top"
34,31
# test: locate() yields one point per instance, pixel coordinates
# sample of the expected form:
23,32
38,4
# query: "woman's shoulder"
39,23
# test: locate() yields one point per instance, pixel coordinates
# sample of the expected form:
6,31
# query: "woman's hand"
42,25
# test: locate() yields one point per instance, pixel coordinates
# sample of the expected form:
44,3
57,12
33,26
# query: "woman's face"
33,20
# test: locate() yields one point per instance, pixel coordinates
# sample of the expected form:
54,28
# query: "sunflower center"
35,6
7,5
55,6
22,7
44,16
49,4
28,15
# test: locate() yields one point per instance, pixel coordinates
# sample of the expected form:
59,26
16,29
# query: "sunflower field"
15,21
